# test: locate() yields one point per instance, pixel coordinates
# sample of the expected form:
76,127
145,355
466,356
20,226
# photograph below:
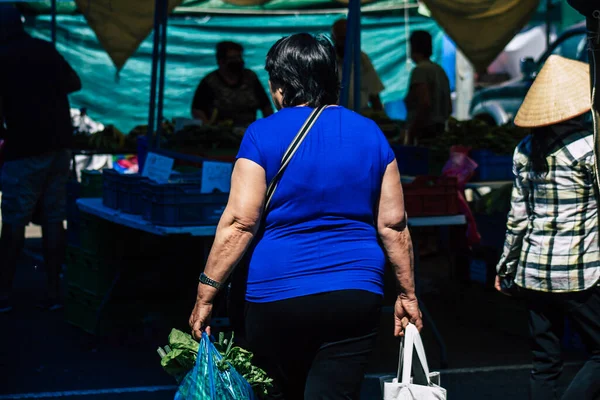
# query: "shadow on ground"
40,352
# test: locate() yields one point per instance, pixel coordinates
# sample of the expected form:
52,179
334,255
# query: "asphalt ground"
44,357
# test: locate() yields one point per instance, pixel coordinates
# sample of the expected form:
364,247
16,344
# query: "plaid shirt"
552,242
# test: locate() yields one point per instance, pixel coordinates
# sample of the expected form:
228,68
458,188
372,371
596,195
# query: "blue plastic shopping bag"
211,379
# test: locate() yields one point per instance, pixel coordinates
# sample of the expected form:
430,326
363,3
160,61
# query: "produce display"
205,137
389,127
193,139
179,357
496,201
110,138
477,135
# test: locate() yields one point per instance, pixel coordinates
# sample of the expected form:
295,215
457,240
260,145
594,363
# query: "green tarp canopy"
122,26
208,6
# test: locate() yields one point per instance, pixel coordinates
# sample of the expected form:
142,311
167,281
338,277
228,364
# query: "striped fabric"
552,242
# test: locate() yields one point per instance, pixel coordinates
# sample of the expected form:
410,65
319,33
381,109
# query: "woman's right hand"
200,318
406,310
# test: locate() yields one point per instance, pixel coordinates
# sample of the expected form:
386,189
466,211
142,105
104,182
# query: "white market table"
95,207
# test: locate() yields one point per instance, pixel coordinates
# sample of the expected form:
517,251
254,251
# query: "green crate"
91,183
88,272
102,238
82,309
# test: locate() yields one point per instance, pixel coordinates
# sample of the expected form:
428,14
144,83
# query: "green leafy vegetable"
179,357
241,360
476,134
182,355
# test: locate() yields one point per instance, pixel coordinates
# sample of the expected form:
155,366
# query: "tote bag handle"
411,341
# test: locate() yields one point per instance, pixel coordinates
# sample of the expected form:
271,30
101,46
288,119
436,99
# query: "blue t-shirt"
319,234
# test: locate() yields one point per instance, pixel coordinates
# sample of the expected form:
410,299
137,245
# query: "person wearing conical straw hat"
552,251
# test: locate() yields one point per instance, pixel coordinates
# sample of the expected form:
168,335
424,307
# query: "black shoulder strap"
291,150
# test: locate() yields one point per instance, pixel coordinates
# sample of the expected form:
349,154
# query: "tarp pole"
153,79
347,65
53,22
465,86
163,58
357,56
548,22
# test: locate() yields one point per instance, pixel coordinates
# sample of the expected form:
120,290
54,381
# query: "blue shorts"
39,179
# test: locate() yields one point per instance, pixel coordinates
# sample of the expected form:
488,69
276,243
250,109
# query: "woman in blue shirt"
316,263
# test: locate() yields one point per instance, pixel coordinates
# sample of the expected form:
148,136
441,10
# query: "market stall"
152,202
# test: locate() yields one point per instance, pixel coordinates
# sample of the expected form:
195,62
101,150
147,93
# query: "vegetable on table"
478,135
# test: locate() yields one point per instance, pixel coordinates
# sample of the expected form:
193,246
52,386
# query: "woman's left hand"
200,318
498,286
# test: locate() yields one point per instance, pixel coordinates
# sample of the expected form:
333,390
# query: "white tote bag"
402,387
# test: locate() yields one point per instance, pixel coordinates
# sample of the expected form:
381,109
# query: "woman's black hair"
542,143
539,151
305,68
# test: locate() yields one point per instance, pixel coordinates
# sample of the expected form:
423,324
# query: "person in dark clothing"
35,122
232,92
428,102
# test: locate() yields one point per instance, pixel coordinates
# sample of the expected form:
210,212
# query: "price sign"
216,176
158,168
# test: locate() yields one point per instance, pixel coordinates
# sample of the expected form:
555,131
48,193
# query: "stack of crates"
91,270
90,186
73,193
430,196
93,248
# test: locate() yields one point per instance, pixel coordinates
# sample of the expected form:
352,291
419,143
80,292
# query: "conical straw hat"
560,92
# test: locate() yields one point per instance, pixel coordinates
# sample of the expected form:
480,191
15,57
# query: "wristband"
205,280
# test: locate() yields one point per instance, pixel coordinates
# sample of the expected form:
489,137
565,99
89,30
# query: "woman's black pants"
317,346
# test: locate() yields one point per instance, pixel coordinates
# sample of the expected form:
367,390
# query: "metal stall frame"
352,59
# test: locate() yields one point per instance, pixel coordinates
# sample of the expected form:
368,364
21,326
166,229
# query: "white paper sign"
158,168
216,175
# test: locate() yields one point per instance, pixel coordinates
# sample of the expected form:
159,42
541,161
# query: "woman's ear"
277,95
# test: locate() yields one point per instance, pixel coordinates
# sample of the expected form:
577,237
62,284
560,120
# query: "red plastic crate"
430,196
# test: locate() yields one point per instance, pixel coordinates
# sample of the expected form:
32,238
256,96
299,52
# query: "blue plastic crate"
177,179
478,271
122,191
146,201
492,167
110,194
129,188
182,205
412,161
